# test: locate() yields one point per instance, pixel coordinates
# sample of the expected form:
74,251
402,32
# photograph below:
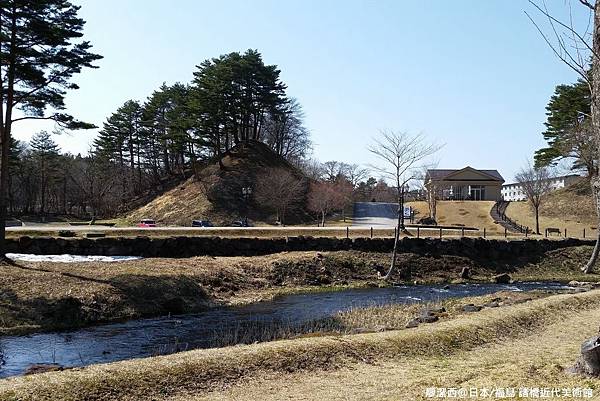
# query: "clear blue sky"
474,75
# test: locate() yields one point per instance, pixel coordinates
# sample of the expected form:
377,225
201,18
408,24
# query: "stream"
147,337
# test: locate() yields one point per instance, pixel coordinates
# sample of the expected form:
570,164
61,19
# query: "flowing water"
147,337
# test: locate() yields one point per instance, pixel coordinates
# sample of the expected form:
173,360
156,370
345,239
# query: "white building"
514,192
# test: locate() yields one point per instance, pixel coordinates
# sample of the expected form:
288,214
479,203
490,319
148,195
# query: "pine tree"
119,142
45,154
232,96
40,50
568,129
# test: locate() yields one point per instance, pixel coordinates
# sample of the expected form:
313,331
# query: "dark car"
202,223
240,223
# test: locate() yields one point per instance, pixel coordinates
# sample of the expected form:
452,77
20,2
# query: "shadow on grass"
129,296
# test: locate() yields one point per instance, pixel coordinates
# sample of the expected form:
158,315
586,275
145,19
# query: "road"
366,215
375,214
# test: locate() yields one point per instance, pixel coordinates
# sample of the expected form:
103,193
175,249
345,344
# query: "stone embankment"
473,248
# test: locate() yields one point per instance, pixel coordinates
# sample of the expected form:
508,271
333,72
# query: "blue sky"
473,75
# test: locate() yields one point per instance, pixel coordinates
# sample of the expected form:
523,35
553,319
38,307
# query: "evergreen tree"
233,95
568,130
40,50
45,153
120,141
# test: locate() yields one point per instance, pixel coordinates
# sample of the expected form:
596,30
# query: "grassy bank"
329,367
371,319
50,296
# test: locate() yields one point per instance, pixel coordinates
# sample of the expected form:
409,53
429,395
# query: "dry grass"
418,357
522,213
48,296
175,206
536,360
466,213
571,208
368,319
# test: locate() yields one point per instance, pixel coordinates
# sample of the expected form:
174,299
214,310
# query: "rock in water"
503,278
42,368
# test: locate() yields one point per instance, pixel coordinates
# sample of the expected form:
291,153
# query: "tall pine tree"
40,51
45,153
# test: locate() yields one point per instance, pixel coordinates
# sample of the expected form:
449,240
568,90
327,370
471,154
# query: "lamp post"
246,193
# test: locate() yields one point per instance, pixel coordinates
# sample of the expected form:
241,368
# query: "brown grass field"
571,208
527,344
467,213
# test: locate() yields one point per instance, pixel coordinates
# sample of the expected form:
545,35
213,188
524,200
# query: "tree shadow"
129,296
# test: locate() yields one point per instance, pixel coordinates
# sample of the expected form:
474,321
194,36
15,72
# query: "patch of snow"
66,258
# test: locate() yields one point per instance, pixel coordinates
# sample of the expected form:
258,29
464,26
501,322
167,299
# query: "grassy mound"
202,370
214,193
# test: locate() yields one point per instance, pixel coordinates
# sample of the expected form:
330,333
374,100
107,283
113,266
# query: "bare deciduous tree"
575,48
399,154
588,362
326,196
279,190
431,189
536,183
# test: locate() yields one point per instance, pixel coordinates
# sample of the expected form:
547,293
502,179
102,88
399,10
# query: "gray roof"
440,174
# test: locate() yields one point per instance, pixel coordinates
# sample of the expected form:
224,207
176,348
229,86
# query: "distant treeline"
177,130
145,147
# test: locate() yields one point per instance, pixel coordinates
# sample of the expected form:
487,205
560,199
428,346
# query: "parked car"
147,223
240,223
202,223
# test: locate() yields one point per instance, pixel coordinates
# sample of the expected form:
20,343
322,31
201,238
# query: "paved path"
375,214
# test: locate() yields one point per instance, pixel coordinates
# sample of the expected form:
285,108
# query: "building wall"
450,190
514,192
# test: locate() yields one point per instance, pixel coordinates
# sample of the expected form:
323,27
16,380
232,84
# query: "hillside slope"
215,192
571,208
466,213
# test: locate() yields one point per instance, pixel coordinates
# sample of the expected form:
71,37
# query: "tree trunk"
588,362
5,129
537,220
395,251
595,110
4,139
589,267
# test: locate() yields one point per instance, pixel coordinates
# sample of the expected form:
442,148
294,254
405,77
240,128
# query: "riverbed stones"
428,319
503,278
412,323
492,304
471,308
584,284
42,368
433,311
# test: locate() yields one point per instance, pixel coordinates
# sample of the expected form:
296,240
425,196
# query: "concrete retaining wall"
474,248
